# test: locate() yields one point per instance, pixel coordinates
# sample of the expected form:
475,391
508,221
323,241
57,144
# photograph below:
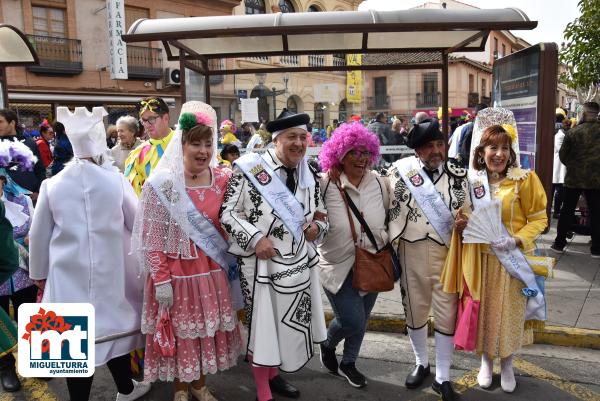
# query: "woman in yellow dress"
501,328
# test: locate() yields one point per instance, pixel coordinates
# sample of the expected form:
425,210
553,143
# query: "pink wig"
344,139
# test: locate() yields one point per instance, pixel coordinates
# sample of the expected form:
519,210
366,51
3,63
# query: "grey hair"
130,122
420,117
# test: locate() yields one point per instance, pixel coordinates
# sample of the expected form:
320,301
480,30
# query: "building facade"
406,92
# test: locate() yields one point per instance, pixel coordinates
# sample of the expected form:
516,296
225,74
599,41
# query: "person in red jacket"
43,142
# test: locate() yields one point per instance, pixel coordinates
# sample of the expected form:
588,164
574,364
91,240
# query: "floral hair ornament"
510,130
149,105
187,121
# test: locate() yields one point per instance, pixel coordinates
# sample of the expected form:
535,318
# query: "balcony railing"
144,62
432,99
486,99
316,60
339,61
260,59
379,102
472,99
58,56
290,60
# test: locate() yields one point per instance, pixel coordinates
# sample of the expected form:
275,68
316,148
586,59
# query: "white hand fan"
485,224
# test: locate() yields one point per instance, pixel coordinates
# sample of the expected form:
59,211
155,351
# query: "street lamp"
275,93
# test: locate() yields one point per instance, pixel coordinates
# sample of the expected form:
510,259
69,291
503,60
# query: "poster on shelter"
353,79
516,84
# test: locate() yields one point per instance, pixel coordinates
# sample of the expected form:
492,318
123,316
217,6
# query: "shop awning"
15,48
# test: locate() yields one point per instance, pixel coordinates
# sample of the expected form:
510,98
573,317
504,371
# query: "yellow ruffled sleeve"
533,204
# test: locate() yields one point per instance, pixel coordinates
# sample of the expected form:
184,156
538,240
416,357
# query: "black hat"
424,132
287,119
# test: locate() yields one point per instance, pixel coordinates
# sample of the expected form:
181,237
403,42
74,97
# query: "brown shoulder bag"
372,272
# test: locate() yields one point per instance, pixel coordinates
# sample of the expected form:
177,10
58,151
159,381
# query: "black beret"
287,119
422,133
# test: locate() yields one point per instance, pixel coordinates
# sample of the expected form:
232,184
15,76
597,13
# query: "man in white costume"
79,245
426,195
273,212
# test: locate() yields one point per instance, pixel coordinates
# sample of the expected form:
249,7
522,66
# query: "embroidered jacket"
407,220
247,217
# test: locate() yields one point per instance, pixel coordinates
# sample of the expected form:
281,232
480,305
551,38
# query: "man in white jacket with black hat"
79,246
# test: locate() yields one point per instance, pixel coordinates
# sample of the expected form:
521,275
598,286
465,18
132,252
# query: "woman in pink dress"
180,243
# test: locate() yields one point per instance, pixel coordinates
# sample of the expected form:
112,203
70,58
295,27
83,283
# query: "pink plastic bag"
164,339
465,335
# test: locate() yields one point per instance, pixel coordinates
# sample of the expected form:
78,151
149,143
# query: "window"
133,14
255,6
319,120
503,50
430,82
343,111
286,6
483,87
380,86
49,21
292,105
313,9
471,83
495,45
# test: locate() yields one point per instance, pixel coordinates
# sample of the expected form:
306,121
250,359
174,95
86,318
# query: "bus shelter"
195,41
15,49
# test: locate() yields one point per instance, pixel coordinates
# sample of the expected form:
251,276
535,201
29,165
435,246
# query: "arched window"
292,105
255,6
319,116
286,6
313,9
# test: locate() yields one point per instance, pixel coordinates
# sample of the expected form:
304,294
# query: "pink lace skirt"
207,332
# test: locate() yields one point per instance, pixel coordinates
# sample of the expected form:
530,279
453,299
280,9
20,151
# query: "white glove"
164,294
504,243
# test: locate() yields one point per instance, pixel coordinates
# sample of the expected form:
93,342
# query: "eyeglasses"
149,120
357,154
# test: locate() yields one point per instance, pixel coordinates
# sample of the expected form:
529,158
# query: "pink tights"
262,375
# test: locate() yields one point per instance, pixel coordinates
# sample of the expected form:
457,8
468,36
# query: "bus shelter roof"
15,48
337,32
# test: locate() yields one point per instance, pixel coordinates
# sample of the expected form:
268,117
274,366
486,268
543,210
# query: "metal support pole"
274,93
206,83
182,76
445,95
3,83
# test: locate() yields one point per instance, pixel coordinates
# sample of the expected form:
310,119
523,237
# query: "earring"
480,161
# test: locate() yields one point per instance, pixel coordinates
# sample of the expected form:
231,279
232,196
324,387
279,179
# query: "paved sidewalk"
572,293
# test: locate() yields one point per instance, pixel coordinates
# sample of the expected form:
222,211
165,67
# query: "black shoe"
354,377
416,377
10,381
556,248
328,359
282,387
445,390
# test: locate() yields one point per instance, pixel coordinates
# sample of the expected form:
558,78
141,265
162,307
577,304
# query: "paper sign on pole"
250,110
118,50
